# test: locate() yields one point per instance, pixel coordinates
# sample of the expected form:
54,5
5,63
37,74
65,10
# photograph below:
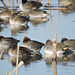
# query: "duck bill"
65,48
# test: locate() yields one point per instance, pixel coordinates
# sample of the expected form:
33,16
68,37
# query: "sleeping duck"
7,42
48,47
23,51
18,20
29,5
32,44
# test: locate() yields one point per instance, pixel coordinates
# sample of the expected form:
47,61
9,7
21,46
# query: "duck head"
1,37
26,39
63,39
48,41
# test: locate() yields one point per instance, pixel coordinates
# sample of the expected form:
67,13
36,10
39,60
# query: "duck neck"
24,1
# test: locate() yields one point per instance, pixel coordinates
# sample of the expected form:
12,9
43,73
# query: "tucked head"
63,39
26,39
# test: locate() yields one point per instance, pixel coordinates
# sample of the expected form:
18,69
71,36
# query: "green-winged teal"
17,19
31,44
5,14
7,42
29,5
69,42
48,47
37,13
23,51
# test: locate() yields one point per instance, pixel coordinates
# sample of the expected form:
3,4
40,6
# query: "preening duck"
29,5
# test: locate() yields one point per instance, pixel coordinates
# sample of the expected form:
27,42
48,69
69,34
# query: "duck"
29,5
27,60
7,42
33,45
38,13
23,51
69,42
5,14
48,47
17,19
71,7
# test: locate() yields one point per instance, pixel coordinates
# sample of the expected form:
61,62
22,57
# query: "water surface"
63,24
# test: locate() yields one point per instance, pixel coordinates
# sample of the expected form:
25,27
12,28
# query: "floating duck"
27,60
69,42
48,47
29,5
22,51
32,45
5,14
17,19
37,13
7,42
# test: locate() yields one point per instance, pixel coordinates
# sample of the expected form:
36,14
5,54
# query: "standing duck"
29,5
69,42
48,47
7,42
32,45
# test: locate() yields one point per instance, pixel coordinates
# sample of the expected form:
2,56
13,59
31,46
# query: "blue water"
63,26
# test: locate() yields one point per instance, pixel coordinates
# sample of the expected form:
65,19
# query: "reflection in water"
70,4
54,67
26,60
5,22
17,29
60,58
1,56
37,21
1,28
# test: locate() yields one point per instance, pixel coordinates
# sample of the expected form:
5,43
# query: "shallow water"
60,23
